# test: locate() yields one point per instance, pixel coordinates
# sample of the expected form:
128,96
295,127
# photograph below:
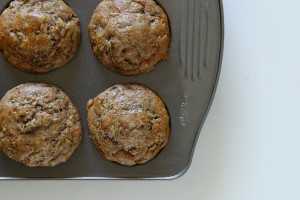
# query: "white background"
249,147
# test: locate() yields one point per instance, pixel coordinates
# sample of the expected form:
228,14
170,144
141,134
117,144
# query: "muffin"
129,36
39,36
39,125
128,124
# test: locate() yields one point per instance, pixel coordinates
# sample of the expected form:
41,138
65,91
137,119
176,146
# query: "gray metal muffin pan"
186,82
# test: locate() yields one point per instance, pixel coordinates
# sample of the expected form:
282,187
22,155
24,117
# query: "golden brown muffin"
128,124
129,36
39,125
39,36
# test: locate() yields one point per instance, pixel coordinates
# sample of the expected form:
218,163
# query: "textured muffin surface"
128,124
39,125
129,36
39,36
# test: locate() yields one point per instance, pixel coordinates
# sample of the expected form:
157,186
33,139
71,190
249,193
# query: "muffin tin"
186,82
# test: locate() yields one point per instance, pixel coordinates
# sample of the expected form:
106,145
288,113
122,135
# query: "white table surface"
249,146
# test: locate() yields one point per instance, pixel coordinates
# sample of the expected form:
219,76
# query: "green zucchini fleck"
23,6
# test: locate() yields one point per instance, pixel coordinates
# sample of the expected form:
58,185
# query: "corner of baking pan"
211,98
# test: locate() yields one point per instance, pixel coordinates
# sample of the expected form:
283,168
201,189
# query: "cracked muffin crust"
39,36
39,125
129,36
128,124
